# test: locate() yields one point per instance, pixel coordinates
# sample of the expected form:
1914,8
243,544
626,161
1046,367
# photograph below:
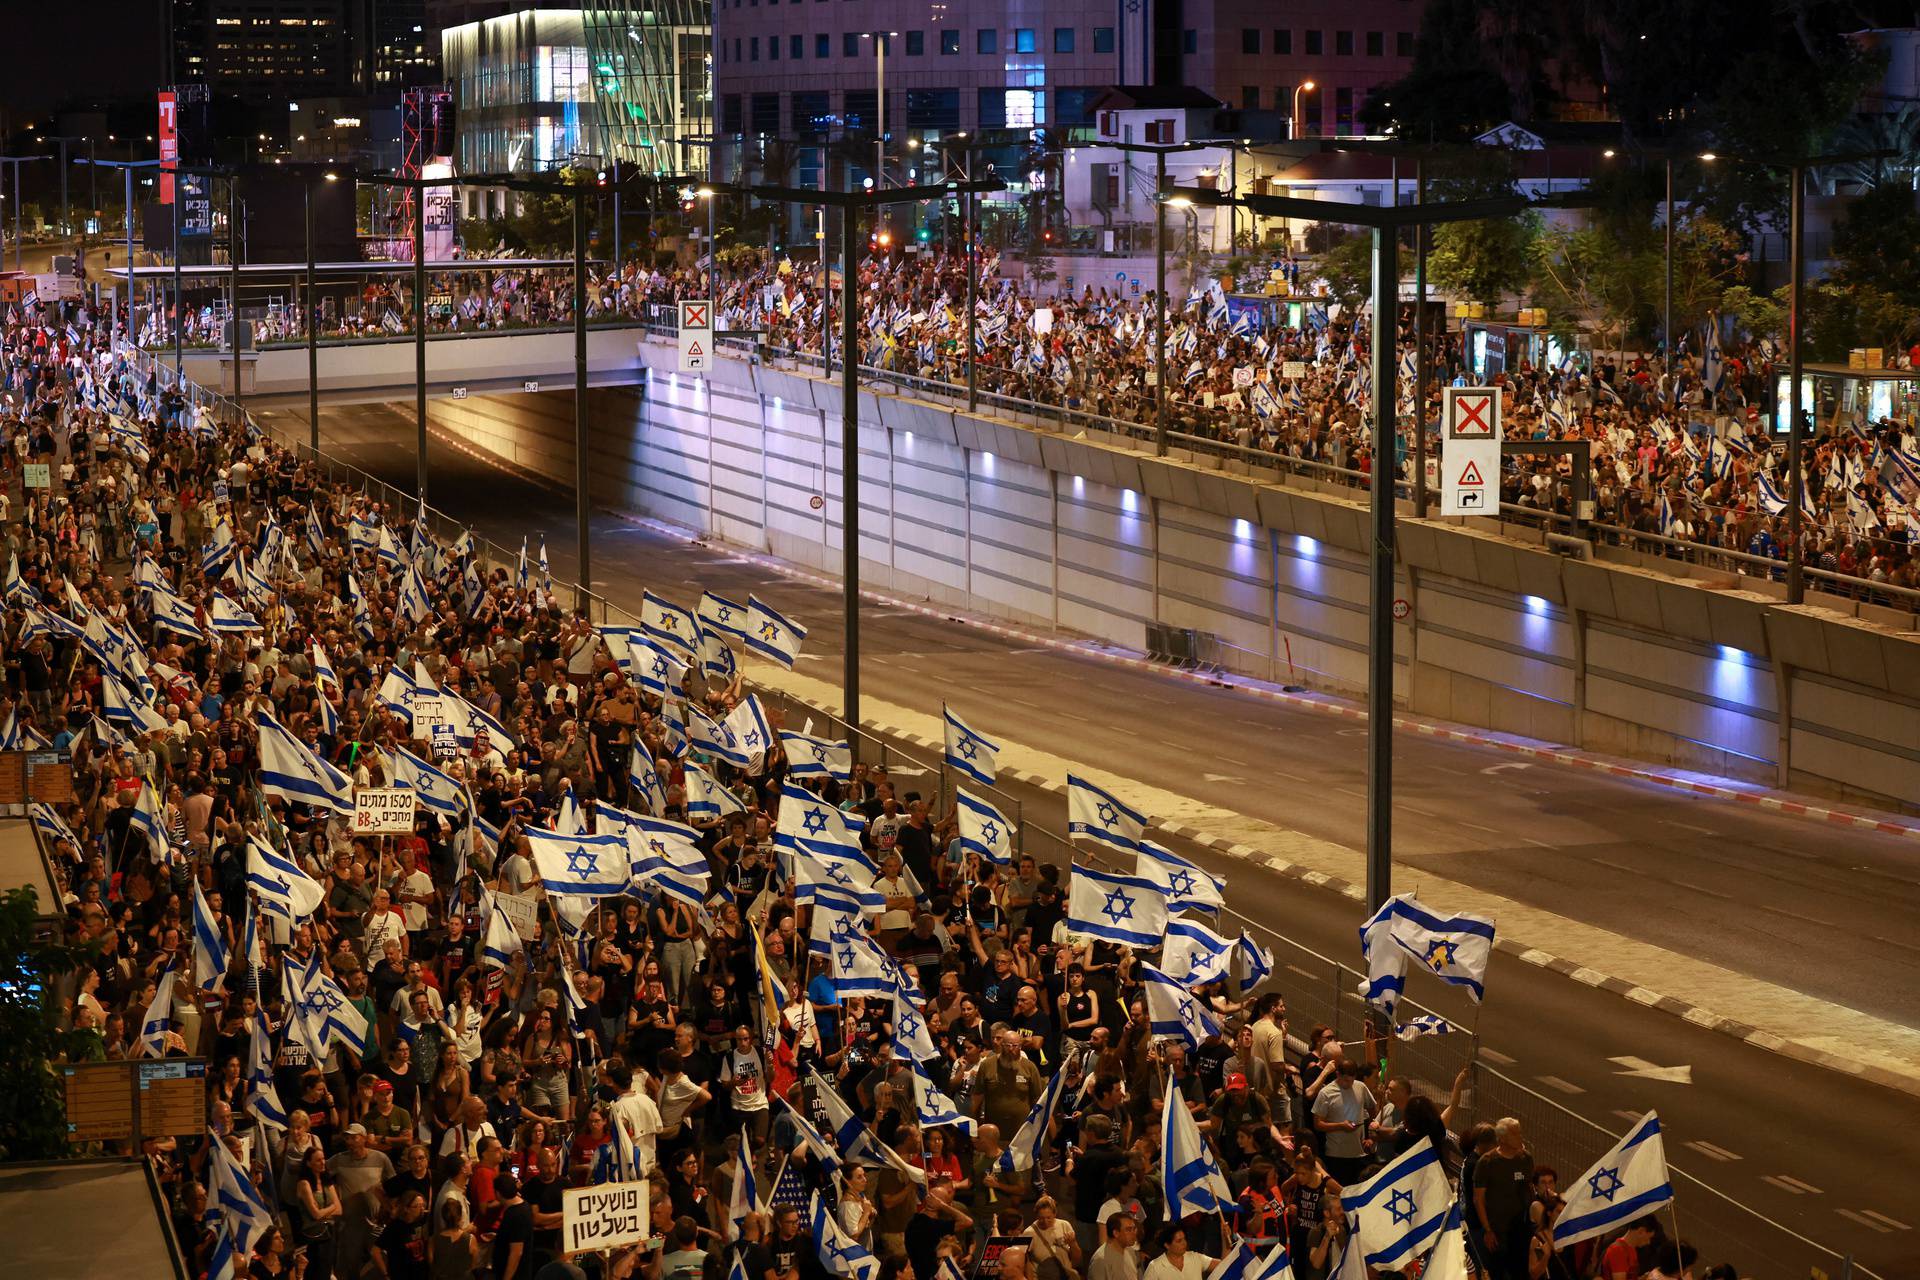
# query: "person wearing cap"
359,1173
389,1127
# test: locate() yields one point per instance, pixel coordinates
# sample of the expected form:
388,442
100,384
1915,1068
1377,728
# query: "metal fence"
1319,990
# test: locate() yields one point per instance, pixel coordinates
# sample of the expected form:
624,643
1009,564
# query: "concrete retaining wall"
1099,540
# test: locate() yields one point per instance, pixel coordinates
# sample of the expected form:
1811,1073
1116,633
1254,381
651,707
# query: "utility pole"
420,340
582,461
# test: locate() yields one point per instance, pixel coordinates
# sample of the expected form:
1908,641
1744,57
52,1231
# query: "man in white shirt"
384,924
634,1111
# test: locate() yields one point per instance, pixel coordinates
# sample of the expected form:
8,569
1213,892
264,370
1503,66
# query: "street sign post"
696,335
1470,452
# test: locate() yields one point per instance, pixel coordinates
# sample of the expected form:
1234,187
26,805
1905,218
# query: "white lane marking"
1282,773
1644,1070
1349,791
1792,1186
1477,827
1538,844
1235,760
1688,826
1634,1116
1895,1223
1306,973
1710,893
1712,1152
1612,866
1564,1086
1414,808
1799,916
1864,1221
1495,1056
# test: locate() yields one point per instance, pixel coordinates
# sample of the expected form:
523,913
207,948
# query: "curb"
1696,1014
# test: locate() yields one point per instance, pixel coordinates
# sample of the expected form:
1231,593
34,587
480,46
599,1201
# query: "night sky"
76,50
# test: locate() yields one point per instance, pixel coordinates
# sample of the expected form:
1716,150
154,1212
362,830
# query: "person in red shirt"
1622,1258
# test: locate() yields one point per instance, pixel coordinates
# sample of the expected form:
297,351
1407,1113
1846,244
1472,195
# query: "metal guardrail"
1326,991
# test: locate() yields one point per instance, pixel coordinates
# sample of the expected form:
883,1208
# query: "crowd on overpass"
419,1040
1680,460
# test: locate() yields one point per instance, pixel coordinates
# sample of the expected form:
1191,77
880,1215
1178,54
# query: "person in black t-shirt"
751,1248
790,1247
939,1217
402,1245
544,1193
513,1254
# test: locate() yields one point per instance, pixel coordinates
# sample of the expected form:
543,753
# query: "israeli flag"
1173,1011
502,942
123,707
146,819
704,733
1116,908
319,1014
316,533
361,534
232,1193
263,1095
1188,1172
814,875
1023,1151
670,625
323,669
857,1142
362,616
279,884
716,657
1401,1209
751,732
1424,1025
818,827
841,1254
294,773
228,618
667,855
1243,1262
1194,954
933,1108
983,829
1385,961
590,866
706,798
772,635
219,550
717,613
210,952
546,572
644,780
388,552
1188,886
158,1019
658,671
836,914
521,578
1098,815
1255,962
1628,1182
1455,949
438,791
1768,493
971,753
16,588
811,757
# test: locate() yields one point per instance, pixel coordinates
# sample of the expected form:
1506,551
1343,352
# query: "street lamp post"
1293,120
18,242
1385,224
1796,463
66,209
1667,321
850,203
234,215
1160,304
126,168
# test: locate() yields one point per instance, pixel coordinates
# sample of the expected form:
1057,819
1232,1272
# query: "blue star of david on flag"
1400,1205
815,822
969,748
768,631
580,862
990,831
1108,815
1441,954
724,613
1606,1184
1118,907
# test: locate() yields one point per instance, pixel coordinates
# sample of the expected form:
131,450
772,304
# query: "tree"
1347,267
33,1122
1484,259
1453,92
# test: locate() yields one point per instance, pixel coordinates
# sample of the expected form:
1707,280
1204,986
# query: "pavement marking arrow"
1641,1069
1493,769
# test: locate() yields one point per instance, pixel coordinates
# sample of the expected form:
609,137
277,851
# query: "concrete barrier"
1097,539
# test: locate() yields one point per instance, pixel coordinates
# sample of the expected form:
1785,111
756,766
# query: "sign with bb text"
383,811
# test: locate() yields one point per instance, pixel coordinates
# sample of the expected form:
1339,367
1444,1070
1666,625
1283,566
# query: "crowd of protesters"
1675,458
461,1081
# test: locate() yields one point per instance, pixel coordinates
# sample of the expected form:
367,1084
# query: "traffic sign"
696,335
1470,471
1473,413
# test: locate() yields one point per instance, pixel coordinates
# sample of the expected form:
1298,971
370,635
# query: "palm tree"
1898,132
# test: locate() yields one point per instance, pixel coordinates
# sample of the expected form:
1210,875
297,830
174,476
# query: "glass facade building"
543,88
